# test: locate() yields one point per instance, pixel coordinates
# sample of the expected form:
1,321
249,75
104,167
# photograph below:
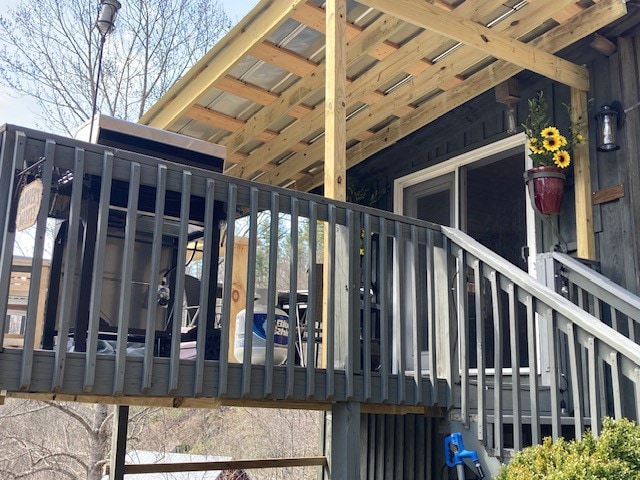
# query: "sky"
20,111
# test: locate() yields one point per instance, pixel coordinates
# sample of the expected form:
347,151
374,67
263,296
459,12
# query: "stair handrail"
599,286
570,311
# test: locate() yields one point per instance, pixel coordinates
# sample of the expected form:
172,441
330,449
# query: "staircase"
569,358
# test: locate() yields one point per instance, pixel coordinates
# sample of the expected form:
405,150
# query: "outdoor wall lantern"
607,119
107,16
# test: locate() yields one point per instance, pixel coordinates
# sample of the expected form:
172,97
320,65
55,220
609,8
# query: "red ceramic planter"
546,185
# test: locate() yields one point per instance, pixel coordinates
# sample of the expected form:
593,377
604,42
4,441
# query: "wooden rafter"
461,59
486,39
283,58
592,19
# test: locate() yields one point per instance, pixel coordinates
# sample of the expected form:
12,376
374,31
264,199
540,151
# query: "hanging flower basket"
550,153
546,185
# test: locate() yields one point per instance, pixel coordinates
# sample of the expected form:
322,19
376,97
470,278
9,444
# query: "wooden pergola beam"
470,33
582,182
217,64
587,22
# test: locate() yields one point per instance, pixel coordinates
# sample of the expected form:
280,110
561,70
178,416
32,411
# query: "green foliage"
612,456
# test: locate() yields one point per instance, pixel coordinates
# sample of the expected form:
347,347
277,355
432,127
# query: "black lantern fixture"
105,23
607,119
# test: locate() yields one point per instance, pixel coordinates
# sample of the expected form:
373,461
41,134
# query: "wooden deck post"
335,174
345,422
119,442
582,175
344,461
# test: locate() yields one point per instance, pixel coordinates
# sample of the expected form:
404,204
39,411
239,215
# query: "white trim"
452,165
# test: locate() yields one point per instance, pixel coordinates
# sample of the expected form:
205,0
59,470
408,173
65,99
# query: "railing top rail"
94,154
599,285
576,315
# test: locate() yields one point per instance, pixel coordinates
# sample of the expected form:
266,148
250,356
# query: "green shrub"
612,456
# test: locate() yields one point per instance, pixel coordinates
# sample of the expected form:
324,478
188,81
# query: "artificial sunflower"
550,132
562,158
551,144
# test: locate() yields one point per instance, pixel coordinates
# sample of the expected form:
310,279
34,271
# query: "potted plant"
550,152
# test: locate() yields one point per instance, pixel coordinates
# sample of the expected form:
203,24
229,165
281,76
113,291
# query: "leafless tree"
49,51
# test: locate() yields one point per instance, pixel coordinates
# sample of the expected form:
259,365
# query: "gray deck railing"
419,298
595,293
594,371
127,224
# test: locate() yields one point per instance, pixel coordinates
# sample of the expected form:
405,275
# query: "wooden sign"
29,205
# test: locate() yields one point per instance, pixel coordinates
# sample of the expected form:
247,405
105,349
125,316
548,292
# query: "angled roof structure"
260,91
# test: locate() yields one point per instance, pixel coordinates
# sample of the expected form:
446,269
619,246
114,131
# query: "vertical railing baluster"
183,242
636,388
616,384
480,347
36,266
207,301
353,324
631,326
295,335
328,336
463,336
497,363
68,283
154,280
225,317
614,319
400,309
431,317
271,294
554,387
532,350
311,298
366,307
7,180
594,385
416,311
383,283
95,303
514,331
250,297
124,305
577,391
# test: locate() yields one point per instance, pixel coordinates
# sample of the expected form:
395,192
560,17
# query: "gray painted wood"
345,441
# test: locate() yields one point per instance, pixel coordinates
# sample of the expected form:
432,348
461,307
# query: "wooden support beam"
283,58
344,461
257,95
582,178
335,178
140,468
485,39
219,61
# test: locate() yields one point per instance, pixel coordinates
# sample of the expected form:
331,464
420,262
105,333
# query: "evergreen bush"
614,455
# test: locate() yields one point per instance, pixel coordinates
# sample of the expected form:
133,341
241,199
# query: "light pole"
105,23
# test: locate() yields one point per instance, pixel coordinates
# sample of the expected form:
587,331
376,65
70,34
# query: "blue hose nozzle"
455,453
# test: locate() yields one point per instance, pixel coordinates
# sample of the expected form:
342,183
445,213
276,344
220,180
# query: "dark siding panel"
399,447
